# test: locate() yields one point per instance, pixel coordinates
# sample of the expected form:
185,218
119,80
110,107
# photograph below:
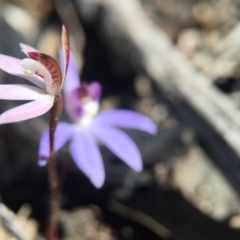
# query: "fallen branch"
163,62
8,222
186,89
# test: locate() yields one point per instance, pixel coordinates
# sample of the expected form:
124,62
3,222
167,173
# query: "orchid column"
43,71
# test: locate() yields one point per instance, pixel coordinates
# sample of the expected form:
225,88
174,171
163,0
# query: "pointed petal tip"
66,50
42,161
26,48
121,145
95,90
136,163
97,182
138,167
64,29
153,130
126,119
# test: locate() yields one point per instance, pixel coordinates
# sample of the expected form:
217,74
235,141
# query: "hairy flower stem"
55,112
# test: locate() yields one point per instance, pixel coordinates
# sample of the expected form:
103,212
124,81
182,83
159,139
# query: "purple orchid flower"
82,105
41,70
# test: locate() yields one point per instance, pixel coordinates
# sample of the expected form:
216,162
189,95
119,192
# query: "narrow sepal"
20,92
27,111
120,144
66,50
126,119
72,80
63,133
87,156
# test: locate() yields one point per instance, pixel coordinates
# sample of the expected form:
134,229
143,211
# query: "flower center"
90,110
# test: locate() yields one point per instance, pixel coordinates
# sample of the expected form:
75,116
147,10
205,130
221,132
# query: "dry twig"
8,222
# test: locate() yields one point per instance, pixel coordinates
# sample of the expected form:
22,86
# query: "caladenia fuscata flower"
90,125
44,72
41,70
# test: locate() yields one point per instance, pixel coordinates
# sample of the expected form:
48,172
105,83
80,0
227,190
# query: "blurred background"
177,62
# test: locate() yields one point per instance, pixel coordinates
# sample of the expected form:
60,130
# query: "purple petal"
73,105
28,110
63,133
13,66
20,92
26,48
120,144
72,78
95,90
126,119
86,154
